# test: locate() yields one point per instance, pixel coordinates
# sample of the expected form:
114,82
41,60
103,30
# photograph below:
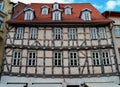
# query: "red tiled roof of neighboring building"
74,17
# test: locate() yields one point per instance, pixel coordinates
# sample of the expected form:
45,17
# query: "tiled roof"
108,14
74,17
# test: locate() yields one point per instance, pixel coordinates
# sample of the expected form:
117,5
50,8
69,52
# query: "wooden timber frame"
84,68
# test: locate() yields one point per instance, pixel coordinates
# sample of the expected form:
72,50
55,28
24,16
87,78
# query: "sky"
101,5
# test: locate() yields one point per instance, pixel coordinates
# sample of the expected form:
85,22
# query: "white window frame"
57,58
16,58
73,58
86,15
32,58
56,15
102,33
33,33
44,11
96,58
19,33
117,31
55,6
28,15
68,11
72,33
57,33
1,5
93,33
106,58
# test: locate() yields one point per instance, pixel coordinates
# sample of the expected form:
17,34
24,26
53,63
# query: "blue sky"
101,5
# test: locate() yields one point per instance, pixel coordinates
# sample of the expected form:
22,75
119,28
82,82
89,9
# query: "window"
55,6
16,58
57,58
98,33
96,58
29,15
1,5
31,58
0,25
56,15
93,33
33,33
68,10
117,31
105,57
72,33
73,58
86,14
19,33
57,33
44,11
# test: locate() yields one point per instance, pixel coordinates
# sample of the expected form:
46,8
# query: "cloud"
43,1
111,4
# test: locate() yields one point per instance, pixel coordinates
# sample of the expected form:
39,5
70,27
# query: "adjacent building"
114,15
5,14
60,45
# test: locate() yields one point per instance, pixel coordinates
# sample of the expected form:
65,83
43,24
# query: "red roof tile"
74,17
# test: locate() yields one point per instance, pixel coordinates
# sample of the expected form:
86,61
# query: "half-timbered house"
60,45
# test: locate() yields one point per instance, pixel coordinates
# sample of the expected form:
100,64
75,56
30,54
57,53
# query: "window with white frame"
68,10
55,6
29,15
57,33
1,5
93,33
44,11
102,33
33,33
96,33
31,58
72,33
57,58
19,33
105,58
56,15
73,59
86,15
96,58
117,31
16,58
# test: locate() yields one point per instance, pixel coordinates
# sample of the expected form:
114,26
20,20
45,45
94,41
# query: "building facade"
116,30
60,45
5,14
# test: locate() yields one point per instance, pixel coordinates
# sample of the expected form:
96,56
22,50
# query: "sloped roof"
74,17
108,14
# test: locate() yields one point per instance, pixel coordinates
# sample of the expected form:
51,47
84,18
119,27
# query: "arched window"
29,14
68,10
86,14
56,15
45,10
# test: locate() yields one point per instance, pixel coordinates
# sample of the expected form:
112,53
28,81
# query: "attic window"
45,10
56,15
68,10
29,15
86,14
55,6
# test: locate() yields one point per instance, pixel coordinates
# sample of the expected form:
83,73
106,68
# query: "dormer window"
29,14
56,15
55,6
45,10
1,5
68,10
86,14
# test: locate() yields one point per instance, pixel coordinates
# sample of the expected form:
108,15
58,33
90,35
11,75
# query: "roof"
74,17
108,14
